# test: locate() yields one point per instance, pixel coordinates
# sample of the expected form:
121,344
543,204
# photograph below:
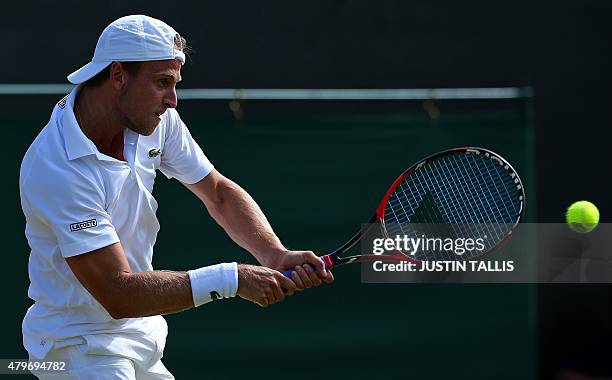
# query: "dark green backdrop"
318,171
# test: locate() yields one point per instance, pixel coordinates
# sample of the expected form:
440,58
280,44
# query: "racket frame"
334,258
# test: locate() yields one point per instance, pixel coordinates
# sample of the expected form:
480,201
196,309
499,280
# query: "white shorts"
83,364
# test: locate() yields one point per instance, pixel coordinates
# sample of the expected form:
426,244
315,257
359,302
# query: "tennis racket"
471,192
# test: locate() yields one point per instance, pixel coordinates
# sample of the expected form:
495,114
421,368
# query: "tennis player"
86,191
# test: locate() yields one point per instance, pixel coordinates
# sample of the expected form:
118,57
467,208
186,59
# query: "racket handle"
329,264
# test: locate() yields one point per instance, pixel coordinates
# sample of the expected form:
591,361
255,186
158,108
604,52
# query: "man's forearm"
148,293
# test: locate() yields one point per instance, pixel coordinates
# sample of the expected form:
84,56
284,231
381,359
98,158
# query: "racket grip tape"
329,264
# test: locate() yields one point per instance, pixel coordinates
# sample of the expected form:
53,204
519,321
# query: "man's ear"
117,74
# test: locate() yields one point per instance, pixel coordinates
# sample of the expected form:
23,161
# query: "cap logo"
178,42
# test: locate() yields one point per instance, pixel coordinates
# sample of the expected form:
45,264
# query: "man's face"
148,93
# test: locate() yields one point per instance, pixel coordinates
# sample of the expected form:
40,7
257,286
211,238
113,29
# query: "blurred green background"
318,170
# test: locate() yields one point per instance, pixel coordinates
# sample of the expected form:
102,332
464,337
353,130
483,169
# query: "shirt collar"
78,145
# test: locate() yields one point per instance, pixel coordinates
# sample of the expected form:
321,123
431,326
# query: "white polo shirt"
75,200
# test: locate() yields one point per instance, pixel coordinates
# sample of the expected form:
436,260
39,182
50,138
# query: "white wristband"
213,282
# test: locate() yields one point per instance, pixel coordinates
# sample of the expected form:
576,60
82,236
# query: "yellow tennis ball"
582,217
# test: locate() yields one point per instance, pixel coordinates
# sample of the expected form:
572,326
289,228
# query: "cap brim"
87,72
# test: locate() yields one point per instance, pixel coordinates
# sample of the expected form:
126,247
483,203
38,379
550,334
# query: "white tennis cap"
131,38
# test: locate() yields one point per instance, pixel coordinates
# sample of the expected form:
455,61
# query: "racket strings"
473,195
483,197
491,209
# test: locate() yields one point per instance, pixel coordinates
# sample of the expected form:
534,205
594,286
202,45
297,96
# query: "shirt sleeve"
71,205
182,157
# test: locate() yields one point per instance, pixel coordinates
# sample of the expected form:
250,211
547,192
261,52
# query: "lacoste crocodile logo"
154,152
